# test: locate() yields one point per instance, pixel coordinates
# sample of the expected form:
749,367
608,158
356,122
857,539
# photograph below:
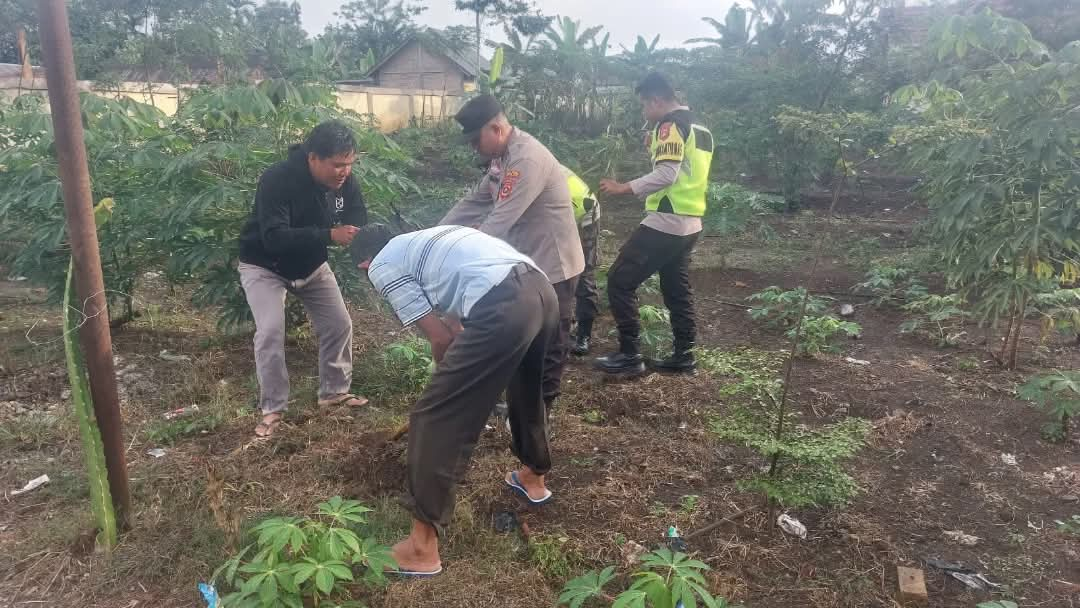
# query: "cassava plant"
778,308
996,137
820,334
296,562
1058,394
665,580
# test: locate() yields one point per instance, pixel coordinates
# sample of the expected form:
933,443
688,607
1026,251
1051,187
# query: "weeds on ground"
297,561
552,557
665,580
1069,526
779,308
820,334
1058,394
939,318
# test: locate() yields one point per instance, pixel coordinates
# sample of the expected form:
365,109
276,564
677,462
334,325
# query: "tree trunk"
1017,330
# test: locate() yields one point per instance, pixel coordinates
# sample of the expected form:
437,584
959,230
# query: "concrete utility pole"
94,334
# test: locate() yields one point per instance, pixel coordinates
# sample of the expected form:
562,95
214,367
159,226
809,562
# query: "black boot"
581,342
681,361
621,363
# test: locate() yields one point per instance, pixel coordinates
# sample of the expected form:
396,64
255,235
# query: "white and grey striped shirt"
445,269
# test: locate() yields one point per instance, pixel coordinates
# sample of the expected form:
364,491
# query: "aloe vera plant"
100,496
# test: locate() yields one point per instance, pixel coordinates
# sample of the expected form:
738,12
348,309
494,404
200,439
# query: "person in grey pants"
302,205
509,315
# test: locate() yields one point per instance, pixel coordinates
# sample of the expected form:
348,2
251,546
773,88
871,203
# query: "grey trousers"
507,336
321,296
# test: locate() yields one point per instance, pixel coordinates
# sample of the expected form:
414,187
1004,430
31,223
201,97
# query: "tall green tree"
378,26
493,11
998,138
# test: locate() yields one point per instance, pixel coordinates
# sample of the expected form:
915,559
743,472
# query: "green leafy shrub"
806,465
301,561
655,327
664,580
411,361
1058,394
892,284
779,308
820,334
940,318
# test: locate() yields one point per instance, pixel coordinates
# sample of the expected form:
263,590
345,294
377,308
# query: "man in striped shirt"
509,312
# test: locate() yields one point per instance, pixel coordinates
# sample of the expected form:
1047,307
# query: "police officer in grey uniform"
524,200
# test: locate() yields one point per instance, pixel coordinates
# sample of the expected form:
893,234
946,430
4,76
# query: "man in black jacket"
302,205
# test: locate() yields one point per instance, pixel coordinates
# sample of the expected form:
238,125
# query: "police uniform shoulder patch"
665,130
511,179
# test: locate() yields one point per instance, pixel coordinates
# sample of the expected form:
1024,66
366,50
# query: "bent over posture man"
302,205
674,196
523,199
510,315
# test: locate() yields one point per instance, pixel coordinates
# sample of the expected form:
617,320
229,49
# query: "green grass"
553,557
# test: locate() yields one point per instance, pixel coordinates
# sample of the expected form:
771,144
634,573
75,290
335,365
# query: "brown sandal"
344,399
266,428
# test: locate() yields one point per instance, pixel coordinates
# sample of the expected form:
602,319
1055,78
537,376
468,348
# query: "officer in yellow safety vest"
674,194
587,299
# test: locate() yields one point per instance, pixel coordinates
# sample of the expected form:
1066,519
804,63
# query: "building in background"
426,65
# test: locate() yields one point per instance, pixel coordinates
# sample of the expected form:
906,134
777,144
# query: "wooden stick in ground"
716,524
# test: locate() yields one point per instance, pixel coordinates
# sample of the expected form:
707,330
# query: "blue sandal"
415,573
516,486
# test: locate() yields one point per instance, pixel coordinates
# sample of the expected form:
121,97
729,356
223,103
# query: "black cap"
476,113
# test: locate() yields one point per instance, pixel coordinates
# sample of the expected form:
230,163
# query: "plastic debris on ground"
847,310
31,485
180,412
1009,459
210,595
167,356
675,542
631,553
960,538
962,573
791,525
856,361
156,453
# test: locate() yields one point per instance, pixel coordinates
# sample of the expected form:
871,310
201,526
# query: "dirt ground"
951,449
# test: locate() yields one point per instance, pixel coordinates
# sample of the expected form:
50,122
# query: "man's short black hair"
369,241
329,139
656,86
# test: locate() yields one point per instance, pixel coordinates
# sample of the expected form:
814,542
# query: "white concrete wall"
393,108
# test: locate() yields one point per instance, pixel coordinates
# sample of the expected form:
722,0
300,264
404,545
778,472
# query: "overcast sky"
674,20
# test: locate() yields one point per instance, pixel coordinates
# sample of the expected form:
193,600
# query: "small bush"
939,318
779,309
808,467
891,285
665,580
1058,394
819,334
300,561
411,361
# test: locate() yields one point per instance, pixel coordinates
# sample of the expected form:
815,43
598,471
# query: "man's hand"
343,235
437,333
610,186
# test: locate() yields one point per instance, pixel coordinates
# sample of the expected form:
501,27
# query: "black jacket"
289,228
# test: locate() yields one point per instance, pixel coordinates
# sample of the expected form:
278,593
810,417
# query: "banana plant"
100,497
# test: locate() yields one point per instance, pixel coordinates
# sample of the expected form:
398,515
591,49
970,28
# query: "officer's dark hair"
369,241
329,139
656,86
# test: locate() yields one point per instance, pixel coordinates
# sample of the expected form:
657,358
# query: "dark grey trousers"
503,346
